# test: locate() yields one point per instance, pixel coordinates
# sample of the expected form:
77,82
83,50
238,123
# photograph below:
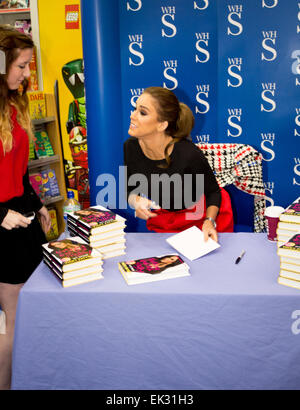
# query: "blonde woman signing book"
20,236
160,147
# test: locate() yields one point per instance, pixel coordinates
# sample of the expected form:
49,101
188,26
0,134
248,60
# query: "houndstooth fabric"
241,165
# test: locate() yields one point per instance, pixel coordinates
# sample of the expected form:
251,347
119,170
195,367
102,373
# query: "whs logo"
170,69
135,47
234,121
269,189
297,122
296,171
234,70
234,19
268,43
167,19
268,140
202,99
135,93
267,95
201,47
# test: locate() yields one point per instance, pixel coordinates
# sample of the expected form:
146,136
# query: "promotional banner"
237,66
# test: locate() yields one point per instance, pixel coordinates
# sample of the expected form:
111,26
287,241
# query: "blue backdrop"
236,64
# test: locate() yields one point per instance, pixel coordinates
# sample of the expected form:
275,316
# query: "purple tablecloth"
226,326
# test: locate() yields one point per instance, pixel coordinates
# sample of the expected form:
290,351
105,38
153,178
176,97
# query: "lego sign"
72,16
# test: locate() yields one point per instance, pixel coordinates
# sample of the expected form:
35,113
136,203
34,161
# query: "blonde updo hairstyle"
11,43
178,115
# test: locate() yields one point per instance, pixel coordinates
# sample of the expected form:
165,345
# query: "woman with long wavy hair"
20,237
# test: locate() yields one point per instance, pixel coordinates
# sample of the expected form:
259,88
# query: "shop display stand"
50,125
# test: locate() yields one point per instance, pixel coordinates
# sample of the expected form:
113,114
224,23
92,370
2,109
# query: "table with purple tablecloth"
227,326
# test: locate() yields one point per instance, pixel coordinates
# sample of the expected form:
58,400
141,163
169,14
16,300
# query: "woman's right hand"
143,207
14,219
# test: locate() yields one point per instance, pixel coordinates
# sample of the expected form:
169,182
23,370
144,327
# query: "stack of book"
100,228
153,269
288,237
73,261
289,222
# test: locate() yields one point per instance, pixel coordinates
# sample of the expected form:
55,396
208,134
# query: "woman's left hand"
209,230
45,219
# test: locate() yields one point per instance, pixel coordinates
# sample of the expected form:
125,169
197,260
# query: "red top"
13,164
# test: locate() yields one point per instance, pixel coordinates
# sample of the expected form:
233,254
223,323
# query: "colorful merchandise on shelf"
43,147
53,233
37,105
50,184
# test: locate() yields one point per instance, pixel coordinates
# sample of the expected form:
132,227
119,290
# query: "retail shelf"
43,120
43,162
14,11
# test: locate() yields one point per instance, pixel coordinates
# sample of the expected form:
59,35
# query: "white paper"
191,244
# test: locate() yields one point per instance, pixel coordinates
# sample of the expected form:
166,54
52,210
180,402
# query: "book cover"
71,253
108,231
292,213
37,183
43,143
96,219
37,104
291,247
32,155
50,185
33,79
153,269
53,232
39,146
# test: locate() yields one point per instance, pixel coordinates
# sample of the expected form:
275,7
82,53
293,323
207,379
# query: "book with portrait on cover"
291,248
153,268
71,253
291,213
96,219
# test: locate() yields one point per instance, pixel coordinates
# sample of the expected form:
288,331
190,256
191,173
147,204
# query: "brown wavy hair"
11,42
178,115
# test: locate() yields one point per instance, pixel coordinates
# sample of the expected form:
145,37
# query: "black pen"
240,257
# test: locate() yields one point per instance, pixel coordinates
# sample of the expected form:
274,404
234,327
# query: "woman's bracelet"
211,220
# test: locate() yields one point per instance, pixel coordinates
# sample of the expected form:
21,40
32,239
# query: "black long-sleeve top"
177,186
